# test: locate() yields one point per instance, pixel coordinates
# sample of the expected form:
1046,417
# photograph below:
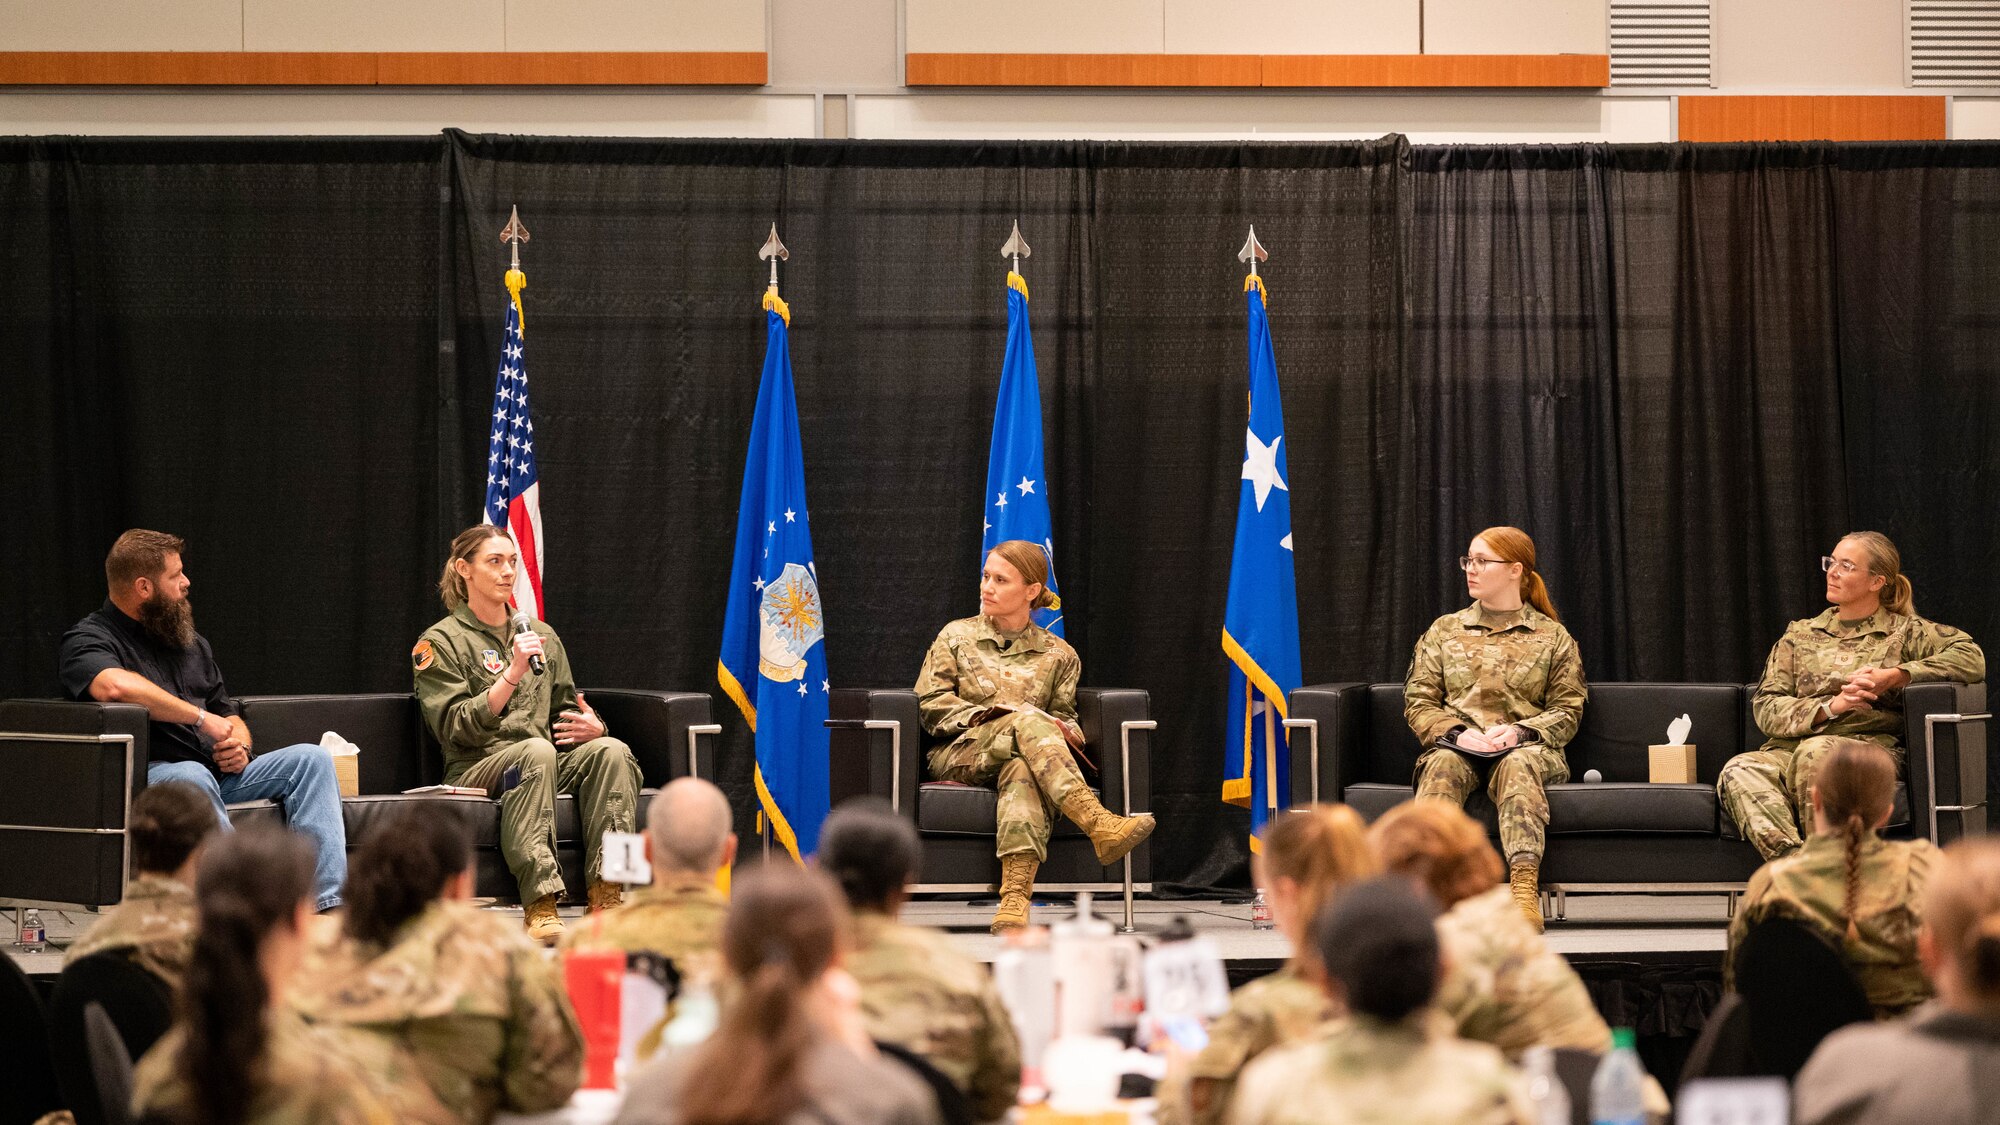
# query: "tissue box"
1670,764
347,772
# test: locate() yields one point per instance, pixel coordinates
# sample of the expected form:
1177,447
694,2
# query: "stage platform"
1687,930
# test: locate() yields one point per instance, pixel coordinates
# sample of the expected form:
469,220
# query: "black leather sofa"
63,806
1349,743
879,747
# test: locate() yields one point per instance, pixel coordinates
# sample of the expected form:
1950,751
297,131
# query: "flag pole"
514,234
774,250
1253,252
1016,247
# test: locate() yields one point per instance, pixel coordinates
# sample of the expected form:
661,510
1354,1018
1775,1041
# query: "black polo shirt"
109,639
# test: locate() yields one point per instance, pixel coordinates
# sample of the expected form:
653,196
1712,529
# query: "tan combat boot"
1017,883
1112,835
606,896
1526,879
544,924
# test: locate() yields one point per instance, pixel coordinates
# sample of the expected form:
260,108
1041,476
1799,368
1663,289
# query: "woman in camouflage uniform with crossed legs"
1002,690
1499,676
1840,674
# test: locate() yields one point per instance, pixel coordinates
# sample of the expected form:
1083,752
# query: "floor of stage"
1682,929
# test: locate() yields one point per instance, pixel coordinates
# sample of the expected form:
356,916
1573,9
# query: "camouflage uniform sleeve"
1940,652
456,714
996,1078
1063,703
544,1052
945,715
1779,710
1562,705
1423,690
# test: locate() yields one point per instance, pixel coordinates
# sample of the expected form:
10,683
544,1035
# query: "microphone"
520,624
1592,777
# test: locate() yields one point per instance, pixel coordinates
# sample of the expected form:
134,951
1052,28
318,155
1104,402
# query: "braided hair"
1855,782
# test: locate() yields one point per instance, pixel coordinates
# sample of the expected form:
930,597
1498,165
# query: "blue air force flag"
1260,628
1017,493
773,657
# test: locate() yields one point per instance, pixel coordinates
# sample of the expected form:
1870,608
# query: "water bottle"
1545,1089
1617,1096
1260,913
34,937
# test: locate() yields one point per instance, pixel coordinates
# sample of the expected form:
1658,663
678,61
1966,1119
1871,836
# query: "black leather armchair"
1350,743
879,746
69,806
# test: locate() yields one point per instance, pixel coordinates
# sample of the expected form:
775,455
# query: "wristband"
200,717
512,683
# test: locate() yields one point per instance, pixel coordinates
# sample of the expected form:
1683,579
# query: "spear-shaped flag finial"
1253,251
1016,247
774,249
514,234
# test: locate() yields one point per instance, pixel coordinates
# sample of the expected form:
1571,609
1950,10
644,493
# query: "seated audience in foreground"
1862,893
1941,1065
678,916
237,1053
791,1048
917,990
467,995
1503,984
1309,855
1393,1058
154,922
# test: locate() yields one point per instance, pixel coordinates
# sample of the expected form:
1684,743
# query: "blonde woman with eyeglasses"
1494,692
1838,675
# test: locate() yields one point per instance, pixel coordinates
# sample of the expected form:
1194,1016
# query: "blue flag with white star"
773,661
1260,627
1017,494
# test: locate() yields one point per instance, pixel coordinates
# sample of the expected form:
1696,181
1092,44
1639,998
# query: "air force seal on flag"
789,624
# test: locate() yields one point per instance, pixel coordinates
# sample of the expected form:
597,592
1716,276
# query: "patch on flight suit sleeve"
423,655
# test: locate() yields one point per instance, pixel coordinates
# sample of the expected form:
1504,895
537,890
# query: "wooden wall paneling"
947,69
1590,71
426,68
1811,117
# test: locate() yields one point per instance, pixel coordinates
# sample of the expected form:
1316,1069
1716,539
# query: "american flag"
513,487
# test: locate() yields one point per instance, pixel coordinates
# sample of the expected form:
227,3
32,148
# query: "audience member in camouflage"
1268,1012
155,921
1862,893
1393,1057
688,842
1002,690
1840,674
918,991
307,1076
470,998
1479,669
493,716
1503,984
1308,856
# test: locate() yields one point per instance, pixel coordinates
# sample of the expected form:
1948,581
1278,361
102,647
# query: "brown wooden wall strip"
1590,71
928,69
575,68
325,68
1813,117
922,69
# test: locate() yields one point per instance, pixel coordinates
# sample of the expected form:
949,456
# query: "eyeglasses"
1837,566
1473,564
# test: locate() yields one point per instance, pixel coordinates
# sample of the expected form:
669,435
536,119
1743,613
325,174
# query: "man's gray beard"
169,622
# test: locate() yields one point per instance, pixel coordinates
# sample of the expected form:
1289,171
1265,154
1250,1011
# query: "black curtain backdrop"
1684,369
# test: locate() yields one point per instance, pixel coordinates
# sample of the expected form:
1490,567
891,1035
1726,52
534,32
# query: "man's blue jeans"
299,776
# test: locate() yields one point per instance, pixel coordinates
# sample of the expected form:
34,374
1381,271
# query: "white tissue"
1677,731
335,744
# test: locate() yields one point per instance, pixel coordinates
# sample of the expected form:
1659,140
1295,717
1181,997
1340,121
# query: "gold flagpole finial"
514,234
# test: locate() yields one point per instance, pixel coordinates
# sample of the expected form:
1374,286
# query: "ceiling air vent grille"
1660,42
1954,43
